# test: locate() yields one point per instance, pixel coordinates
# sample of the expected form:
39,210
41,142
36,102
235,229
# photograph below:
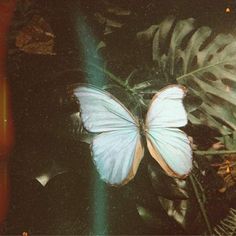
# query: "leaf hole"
165,42
221,121
228,66
210,58
186,39
206,42
194,61
179,64
214,99
209,76
221,48
227,82
193,85
197,114
192,102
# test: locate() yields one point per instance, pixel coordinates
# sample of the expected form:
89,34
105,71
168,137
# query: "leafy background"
139,48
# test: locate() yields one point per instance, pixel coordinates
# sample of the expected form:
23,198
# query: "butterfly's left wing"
117,155
116,149
168,145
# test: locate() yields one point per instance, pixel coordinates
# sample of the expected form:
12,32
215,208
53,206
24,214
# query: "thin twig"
201,205
201,188
220,152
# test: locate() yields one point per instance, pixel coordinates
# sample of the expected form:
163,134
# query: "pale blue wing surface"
172,147
117,155
167,144
102,112
167,109
117,150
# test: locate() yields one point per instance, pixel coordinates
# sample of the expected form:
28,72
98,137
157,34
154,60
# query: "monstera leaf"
203,62
36,37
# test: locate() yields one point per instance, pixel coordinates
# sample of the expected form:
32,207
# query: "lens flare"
227,10
88,45
99,195
6,140
6,126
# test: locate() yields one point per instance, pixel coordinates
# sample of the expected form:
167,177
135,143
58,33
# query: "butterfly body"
118,148
142,128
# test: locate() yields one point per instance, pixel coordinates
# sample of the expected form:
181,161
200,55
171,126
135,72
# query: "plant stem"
201,188
119,81
220,152
201,205
111,76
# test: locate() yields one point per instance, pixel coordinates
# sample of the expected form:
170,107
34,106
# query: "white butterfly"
117,149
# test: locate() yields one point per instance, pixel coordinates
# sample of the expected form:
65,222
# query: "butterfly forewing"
168,145
166,108
117,150
102,112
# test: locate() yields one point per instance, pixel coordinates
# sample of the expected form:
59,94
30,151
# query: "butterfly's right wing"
117,150
168,145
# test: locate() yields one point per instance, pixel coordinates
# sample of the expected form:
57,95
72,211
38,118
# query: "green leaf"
204,63
168,187
144,85
229,141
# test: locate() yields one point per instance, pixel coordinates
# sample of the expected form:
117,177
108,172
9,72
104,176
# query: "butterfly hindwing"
168,145
117,155
117,149
171,148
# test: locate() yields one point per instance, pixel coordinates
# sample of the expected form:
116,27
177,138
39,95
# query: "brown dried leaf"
218,145
227,171
36,37
111,16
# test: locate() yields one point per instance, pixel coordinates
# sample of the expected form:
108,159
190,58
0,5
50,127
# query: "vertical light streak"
6,128
88,44
99,207
98,200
